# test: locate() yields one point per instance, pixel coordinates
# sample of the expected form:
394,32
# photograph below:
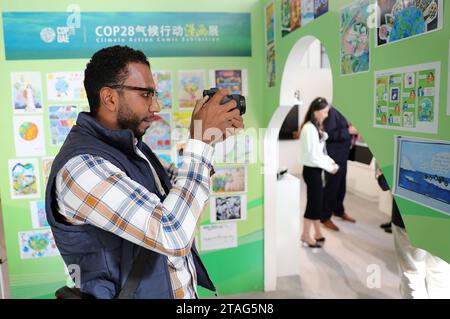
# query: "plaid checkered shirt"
91,190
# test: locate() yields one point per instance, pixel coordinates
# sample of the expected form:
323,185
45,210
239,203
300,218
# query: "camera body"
240,100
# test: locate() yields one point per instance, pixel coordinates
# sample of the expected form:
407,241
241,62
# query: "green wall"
354,97
39,278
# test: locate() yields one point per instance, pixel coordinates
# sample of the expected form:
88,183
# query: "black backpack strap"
135,276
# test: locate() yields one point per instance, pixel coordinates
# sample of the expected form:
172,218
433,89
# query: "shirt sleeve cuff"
329,167
200,149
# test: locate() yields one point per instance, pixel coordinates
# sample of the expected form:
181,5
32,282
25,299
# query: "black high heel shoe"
306,244
320,240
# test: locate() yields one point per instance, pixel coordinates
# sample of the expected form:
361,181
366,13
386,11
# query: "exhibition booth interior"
280,55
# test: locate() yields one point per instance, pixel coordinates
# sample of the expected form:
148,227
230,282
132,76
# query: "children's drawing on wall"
163,81
307,11
410,80
158,136
47,163
165,157
298,13
62,119
408,98
400,19
270,23
426,95
285,17
395,94
27,92
320,8
65,86
29,136
37,244
38,216
229,180
295,14
271,66
191,86
355,40
24,178
179,150
422,172
234,80
181,125
270,48
408,119
228,208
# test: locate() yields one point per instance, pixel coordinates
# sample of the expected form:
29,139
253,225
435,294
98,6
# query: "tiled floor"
356,262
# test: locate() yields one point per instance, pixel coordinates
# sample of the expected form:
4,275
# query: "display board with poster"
407,98
297,13
400,20
422,172
233,80
355,39
269,12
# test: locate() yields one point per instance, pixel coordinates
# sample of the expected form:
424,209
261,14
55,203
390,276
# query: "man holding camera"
126,220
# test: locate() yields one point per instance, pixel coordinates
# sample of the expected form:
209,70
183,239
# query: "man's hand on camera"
212,122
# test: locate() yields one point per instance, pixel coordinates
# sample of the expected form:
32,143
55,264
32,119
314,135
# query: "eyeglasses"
149,93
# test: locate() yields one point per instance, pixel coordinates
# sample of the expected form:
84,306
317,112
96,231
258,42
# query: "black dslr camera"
240,100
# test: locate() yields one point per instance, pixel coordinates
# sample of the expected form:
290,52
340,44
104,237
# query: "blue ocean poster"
423,172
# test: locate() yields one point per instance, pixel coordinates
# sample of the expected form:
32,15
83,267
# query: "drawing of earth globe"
38,242
48,35
407,22
28,131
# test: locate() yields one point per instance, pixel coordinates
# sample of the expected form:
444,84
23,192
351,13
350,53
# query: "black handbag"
127,291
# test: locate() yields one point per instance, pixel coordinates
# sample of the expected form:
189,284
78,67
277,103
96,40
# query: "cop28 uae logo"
48,35
63,33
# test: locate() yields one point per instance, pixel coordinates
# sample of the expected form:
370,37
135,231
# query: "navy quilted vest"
106,259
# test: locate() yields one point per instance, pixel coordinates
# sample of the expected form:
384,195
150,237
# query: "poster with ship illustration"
422,172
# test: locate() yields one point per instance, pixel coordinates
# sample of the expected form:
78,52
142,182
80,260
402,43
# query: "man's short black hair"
108,66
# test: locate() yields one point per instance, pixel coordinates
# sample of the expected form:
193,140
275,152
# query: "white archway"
303,80
304,76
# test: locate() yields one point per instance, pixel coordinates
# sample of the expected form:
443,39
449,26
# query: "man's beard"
126,119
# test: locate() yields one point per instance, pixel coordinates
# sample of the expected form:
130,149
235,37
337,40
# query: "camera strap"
134,278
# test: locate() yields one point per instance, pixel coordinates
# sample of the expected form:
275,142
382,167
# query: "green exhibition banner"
62,35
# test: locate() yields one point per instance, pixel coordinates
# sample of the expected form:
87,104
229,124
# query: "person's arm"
316,153
92,190
337,128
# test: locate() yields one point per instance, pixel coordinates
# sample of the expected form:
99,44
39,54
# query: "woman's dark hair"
108,66
318,104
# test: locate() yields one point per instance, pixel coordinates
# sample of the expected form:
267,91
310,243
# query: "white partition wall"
271,165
